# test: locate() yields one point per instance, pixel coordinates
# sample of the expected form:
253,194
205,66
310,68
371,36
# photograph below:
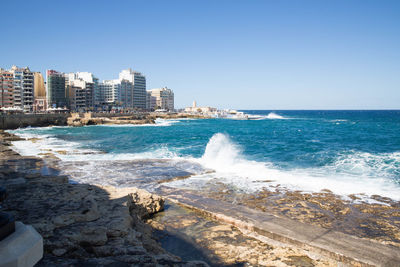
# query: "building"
138,81
203,110
91,89
55,89
39,101
23,88
118,93
125,94
151,101
39,88
76,93
109,91
6,89
76,98
164,99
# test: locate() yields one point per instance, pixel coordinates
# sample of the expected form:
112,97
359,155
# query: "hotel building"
138,81
108,92
117,92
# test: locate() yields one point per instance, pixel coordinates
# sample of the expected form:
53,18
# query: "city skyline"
227,54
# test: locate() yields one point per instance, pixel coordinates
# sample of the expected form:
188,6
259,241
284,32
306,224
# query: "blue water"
305,150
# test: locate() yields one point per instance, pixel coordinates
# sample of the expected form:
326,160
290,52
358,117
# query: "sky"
226,54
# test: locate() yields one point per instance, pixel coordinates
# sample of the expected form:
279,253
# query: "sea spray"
275,116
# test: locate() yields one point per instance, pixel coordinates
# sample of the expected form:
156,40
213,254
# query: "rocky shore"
144,118
82,224
378,221
93,225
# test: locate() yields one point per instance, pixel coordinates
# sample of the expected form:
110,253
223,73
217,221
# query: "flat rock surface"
343,247
192,236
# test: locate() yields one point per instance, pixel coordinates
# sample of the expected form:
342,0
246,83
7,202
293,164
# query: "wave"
158,122
367,164
351,173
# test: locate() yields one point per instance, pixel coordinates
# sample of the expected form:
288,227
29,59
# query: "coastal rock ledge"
82,224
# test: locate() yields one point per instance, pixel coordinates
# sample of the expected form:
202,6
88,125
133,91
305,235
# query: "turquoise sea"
347,152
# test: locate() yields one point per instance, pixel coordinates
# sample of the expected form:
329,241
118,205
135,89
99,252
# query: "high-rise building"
90,85
6,88
164,98
39,101
23,88
109,91
117,92
55,91
91,88
76,93
125,94
39,88
139,87
151,101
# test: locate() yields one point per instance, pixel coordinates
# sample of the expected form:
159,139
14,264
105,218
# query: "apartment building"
91,88
164,99
6,88
55,89
39,92
23,88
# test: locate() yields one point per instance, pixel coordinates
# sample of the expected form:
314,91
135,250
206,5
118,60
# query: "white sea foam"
274,116
338,120
351,173
225,157
158,122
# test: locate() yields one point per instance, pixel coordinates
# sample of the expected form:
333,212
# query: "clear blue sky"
237,54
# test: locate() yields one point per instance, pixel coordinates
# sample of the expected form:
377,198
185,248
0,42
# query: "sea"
347,152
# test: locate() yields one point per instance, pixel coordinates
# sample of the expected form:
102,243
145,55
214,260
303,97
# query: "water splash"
274,116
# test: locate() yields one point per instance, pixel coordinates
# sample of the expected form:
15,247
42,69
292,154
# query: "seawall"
14,121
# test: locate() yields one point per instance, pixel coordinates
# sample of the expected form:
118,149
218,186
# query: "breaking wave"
352,172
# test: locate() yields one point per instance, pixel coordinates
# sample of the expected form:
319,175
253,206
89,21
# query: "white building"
108,91
23,88
194,109
116,92
138,81
164,99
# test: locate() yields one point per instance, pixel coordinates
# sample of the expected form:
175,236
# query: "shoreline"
103,225
15,121
82,223
326,258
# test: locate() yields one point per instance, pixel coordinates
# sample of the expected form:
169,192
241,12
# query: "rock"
90,236
59,252
145,204
87,212
81,224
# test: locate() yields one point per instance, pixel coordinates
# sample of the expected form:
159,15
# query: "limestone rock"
81,224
